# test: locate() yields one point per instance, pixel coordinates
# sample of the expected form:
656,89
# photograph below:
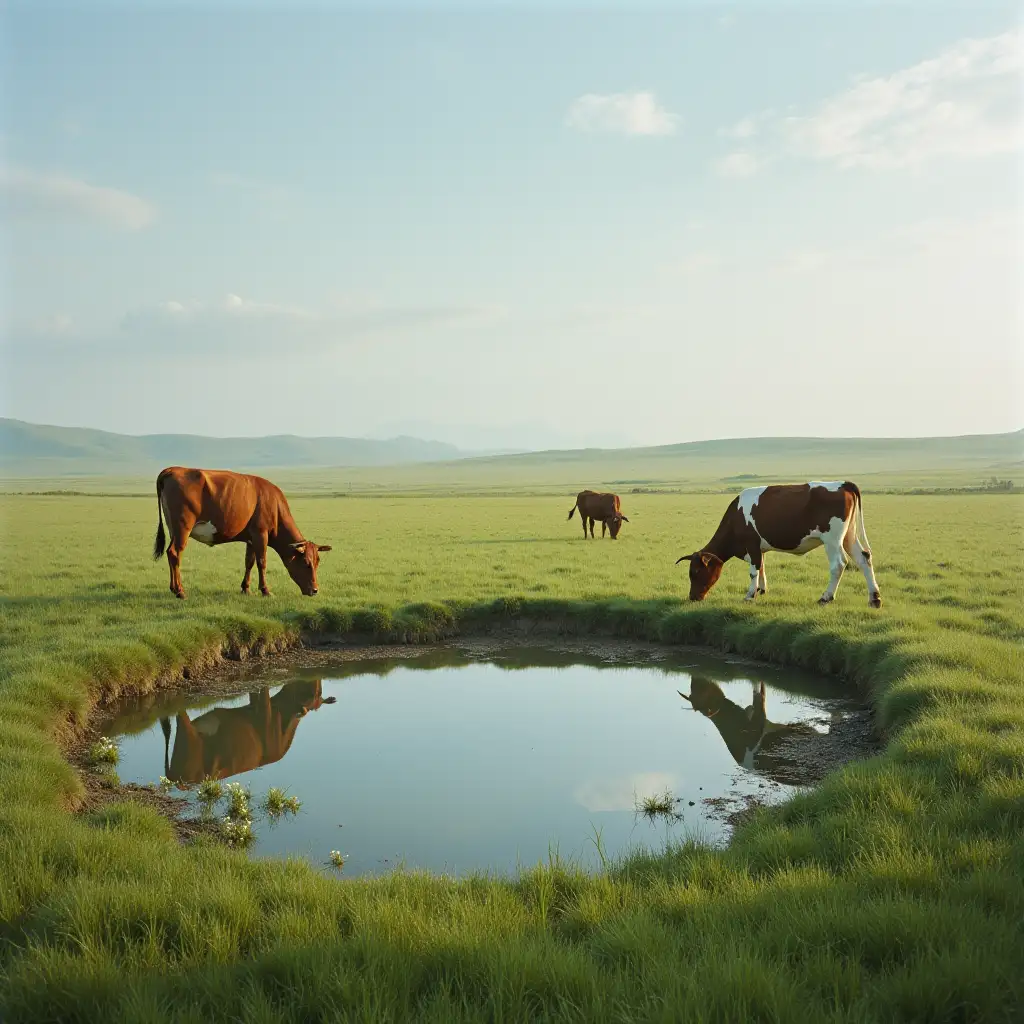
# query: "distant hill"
408,463
30,449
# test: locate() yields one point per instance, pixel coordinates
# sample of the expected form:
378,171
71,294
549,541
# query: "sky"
516,225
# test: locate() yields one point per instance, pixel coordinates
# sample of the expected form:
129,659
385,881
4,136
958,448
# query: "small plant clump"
276,803
109,779
238,801
210,790
660,805
337,860
238,833
165,784
104,751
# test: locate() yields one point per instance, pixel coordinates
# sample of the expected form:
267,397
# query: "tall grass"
895,891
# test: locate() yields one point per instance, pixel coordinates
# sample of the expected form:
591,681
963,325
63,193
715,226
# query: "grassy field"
894,892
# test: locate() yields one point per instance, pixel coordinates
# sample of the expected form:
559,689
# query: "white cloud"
235,324
53,325
34,192
632,113
623,793
964,103
740,164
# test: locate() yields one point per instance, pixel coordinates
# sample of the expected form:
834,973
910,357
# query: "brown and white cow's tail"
161,539
858,516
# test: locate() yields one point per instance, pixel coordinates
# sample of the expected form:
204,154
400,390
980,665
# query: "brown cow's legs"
604,526
179,538
591,529
250,561
261,564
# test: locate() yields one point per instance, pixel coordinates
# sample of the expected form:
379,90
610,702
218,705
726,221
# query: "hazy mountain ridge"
38,448
31,450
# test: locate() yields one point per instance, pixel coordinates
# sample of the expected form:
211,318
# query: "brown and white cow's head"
705,568
301,560
615,524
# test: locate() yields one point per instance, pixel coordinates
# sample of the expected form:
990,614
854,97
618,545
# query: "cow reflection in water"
752,739
228,741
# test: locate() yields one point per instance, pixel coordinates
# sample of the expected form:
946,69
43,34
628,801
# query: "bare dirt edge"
223,672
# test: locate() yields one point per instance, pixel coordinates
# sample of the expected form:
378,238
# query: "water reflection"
229,741
752,738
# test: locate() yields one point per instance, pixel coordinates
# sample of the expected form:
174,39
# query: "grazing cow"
228,741
220,507
795,518
748,733
602,507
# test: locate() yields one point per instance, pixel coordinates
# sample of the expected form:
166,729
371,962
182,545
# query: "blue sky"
522,226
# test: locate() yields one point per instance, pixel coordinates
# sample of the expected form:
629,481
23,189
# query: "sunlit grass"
892,892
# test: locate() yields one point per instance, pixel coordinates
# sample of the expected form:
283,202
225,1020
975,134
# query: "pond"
460,758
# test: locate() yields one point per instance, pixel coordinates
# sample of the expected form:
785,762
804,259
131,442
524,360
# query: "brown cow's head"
301,560
705,568
615,524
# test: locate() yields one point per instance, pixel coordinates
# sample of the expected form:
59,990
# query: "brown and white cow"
795,518
602,507
217,506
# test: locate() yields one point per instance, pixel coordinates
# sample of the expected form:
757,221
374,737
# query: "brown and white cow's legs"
832,540
862,559
250,561
762,580
755,571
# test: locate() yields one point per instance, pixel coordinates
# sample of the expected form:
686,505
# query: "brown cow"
220,507
602,507
228,741
795,518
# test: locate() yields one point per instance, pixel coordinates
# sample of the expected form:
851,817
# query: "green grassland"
893,892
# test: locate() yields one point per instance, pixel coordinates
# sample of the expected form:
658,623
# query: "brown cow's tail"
572,511
161,538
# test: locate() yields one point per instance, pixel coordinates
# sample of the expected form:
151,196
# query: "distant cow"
228,741
787,517
597,506
220,507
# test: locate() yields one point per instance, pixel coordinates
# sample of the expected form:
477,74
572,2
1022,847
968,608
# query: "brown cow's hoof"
265,593
875,601
179,594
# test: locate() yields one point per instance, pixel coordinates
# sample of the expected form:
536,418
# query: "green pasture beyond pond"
894,892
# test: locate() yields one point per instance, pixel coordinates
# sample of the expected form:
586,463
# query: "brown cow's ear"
323,547
625,519
299,546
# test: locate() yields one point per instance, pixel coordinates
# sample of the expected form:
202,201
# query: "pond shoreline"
853,737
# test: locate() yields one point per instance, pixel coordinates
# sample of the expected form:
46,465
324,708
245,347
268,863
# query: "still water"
457,761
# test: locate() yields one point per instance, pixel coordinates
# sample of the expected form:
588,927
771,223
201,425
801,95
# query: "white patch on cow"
204,533
207,725
829,485
748,498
